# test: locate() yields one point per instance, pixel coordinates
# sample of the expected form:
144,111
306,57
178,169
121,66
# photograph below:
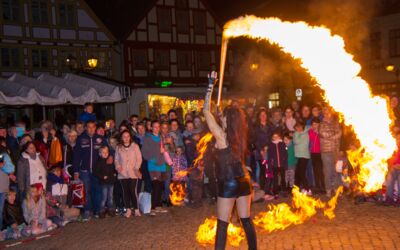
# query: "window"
161,59
11,10
139,57
273,100
10,58
182,21
101,59
40,58
164,20
203,60
66,12
181,4
199,22
39,12
184,59
375,45
394,43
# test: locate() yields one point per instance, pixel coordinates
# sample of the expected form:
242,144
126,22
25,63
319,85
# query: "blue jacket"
86,152
85,117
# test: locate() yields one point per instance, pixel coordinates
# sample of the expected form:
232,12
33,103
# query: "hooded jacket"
86,152
277,154
128,159
105,172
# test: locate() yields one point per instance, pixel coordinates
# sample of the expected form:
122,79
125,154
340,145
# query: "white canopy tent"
50,90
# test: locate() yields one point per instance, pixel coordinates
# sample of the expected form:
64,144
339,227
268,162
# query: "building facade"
382,55
175,42
53,36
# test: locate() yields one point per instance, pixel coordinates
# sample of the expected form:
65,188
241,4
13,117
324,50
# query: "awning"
51,90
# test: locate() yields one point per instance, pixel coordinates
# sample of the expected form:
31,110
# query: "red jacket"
315,145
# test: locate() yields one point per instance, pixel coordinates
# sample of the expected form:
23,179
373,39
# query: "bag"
145,202
78,194
59,189
55,155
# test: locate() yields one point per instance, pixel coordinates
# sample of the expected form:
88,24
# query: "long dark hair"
236,131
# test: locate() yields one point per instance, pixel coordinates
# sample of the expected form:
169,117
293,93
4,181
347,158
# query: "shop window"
164,20
203,60
139,57
10,58
66,14
161,59
40,13
11,10
199,22
40,58
182,21
184,60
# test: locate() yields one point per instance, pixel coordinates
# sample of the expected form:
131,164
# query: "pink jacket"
315,145
128,161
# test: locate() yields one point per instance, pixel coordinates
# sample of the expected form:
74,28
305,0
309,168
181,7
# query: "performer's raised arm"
215,129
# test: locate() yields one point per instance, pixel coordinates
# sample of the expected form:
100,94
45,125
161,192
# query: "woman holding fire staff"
232,176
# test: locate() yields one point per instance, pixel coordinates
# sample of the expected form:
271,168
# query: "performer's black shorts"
234,188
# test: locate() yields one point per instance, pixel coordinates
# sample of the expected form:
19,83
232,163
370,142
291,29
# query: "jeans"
167,191
107,191
318,171
392,177
300,174
329,170
146,177
310,173
2,200
93,192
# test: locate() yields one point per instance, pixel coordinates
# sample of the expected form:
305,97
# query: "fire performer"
232,176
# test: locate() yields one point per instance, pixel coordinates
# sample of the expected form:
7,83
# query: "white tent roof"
50,90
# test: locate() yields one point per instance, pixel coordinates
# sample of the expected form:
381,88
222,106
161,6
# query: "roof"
121,16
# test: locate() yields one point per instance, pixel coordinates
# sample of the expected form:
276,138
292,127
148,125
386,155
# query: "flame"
324,56
201,147
178,192
207,231
279,217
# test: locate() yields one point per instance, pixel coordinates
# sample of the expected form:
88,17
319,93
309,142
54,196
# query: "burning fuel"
178,192
278,217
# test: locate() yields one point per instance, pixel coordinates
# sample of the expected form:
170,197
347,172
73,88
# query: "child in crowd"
179,167
292,161
190,145
315,151
105,172
269,175
278,160
34,209
13,219
342,167
302,152
189,127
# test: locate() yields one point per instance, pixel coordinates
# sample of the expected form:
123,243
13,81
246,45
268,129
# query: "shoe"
111,212
96,216
137,213
103,214
160,210
128,213
65,222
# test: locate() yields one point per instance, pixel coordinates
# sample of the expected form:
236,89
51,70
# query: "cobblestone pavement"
365,226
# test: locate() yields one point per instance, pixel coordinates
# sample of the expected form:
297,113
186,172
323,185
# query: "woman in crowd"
233,178
289,119
263,137
128,160
31,169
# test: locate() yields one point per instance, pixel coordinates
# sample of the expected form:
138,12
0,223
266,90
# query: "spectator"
172,115
134,119
301,149
88,114
278,160
289,119
393,174
198,123
151,151
68,152
276,122
105,172
292,161
14,223
128,160
34,209
111,130
315,150
306,115
330,133
6,169
263,138
175,133
31,169
13,143
85,155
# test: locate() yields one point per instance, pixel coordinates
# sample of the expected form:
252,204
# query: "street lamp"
253,66
393,68
92,62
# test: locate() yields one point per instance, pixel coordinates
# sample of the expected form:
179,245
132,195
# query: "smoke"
347,18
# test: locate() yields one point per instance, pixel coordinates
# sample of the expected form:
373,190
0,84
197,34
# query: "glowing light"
178,192
92,62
